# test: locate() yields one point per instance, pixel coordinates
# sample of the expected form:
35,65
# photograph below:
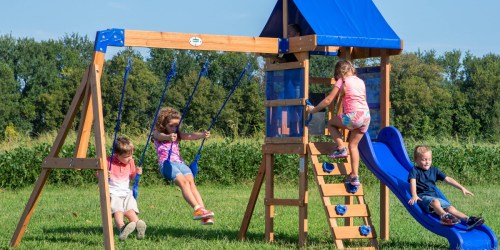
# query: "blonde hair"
123,145
164,117
344,68
420,150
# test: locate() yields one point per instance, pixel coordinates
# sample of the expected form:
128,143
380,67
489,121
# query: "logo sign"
195,41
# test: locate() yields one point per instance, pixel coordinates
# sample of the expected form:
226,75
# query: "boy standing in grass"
423,179
123,204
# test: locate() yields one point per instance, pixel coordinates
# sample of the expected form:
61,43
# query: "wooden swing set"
88,102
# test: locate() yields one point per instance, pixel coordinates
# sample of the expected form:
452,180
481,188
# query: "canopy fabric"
350,23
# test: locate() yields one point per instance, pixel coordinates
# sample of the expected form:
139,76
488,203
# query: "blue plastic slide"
388,160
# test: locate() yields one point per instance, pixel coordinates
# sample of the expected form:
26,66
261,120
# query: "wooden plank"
284,148
283,202
71,163
257,185
30,208
320,80
327,49
353,210
283,66
323,148
360,53
283,140
340,169
331,190
173,40
285,102
302,44
352,232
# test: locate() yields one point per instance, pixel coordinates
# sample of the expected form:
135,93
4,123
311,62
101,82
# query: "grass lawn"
69,218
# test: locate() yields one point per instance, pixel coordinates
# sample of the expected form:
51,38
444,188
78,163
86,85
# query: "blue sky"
442,25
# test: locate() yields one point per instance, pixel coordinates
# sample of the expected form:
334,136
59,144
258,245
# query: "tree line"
432,95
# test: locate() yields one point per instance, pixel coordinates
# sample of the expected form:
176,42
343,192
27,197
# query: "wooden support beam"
283,66
285,102
72,163
257,185
319,80
283,140
283,202
297,148
269,209
173,40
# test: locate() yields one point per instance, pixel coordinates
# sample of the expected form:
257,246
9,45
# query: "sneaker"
141,229
339,153
449,220
202,213
354,181
126,230
207,221
473,222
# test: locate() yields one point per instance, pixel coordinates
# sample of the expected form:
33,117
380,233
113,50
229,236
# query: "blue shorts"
425,203
169,170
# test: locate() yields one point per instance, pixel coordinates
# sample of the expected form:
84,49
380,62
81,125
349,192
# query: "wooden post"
385,70
303,199
269,221
95,86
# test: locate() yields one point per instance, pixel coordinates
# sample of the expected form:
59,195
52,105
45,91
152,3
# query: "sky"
442,25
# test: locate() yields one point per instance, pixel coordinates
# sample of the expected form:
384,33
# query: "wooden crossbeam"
173,40
351,232
330,190
72,163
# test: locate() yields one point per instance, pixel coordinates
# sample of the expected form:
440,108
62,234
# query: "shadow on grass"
411,245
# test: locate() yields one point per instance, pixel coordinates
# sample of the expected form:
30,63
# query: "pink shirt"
355,94
162,149
119,176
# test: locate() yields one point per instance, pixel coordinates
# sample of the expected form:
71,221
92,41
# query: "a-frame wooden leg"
84,128
45,172
30,208
303,198
95,86
257,185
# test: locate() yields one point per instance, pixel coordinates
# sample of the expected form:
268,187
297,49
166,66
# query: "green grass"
69,218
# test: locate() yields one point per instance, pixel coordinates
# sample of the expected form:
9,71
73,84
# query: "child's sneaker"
126,230
339,153
141,229
449,220
473,222
202,213
354,181
207,221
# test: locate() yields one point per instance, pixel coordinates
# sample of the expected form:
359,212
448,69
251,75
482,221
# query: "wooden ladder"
348,230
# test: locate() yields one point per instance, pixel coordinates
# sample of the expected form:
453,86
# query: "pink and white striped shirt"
120,176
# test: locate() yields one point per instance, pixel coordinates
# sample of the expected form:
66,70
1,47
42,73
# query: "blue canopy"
349,23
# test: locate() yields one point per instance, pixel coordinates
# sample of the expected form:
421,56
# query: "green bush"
230,162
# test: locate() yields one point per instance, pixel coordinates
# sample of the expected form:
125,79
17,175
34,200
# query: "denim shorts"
169,170
425,203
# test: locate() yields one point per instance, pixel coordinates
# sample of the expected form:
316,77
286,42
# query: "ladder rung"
340,169
350,232
330,190
354,210
323,148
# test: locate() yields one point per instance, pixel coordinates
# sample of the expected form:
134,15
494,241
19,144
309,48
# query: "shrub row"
232,162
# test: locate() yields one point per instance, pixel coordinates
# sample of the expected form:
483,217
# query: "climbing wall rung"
352,232
355,210
330,190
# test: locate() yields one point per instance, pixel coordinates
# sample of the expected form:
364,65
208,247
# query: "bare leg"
131,216
334,125
119,220
194,190
456,213
436,205
354,138
187,193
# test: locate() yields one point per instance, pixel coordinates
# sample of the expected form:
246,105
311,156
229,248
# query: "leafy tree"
9,103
